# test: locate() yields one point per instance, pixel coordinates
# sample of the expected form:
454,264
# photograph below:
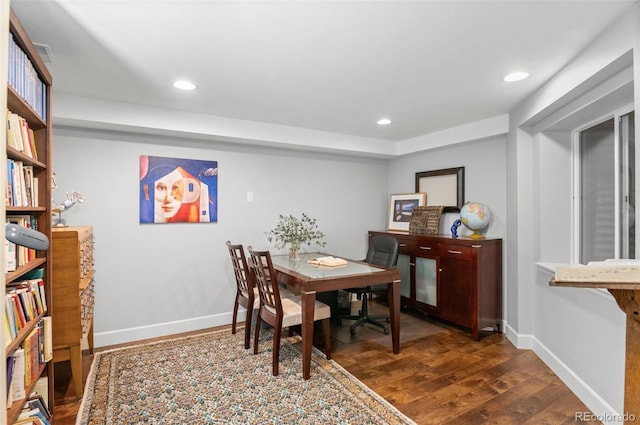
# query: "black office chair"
383,251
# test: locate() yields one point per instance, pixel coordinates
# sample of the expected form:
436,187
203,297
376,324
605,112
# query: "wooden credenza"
455,279
73,299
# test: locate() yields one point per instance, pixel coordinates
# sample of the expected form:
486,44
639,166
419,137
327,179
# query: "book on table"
328,261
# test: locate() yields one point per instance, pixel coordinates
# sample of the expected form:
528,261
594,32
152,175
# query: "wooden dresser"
72,276
455,279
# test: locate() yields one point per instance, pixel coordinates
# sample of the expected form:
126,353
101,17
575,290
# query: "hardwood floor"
442,378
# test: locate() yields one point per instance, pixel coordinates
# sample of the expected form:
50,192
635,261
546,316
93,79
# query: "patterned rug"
211,379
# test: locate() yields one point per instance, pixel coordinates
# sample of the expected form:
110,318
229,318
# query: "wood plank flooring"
442,378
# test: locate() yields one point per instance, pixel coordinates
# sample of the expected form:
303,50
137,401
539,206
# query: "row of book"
24,301
22,185
20,136
26,363
35,412
18,255
24,79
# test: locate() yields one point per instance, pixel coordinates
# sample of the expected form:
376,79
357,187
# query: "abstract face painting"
176,190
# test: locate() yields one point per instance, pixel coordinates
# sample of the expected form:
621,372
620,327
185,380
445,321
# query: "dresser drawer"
456,250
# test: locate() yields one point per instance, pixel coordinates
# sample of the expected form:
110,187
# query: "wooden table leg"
394,311
308,310
629,301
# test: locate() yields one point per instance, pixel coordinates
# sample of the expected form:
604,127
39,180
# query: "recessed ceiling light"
516,76
184,85
384,121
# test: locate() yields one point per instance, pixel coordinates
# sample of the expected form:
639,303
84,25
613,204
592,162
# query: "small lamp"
24,236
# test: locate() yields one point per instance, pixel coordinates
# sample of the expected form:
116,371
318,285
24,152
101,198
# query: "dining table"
309,279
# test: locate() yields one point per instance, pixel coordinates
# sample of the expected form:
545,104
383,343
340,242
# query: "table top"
593,284
322,278
314,271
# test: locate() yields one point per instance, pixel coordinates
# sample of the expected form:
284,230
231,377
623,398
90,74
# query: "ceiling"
335,66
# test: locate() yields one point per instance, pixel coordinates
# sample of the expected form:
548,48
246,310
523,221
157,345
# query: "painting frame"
400,209
178,190
443,187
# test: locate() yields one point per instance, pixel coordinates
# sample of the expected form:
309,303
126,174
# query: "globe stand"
476,235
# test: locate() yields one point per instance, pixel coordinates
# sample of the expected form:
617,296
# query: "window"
605,164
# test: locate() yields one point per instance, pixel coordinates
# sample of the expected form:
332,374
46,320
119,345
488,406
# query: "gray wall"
157,279
484,163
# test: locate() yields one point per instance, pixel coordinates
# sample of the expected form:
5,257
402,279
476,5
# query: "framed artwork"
174,190
443,187
425,220
401,207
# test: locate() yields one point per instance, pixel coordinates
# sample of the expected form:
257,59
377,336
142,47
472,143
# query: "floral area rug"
211,379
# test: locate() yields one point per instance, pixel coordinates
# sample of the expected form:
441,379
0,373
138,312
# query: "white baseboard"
103,339
601,410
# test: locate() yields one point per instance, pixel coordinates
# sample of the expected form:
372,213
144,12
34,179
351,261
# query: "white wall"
579,333
484,163
522,177
157,279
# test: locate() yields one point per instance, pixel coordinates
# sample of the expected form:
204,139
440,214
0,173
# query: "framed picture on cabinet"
443,187
401,207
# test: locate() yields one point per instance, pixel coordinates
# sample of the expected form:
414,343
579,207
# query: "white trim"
103,339
596,403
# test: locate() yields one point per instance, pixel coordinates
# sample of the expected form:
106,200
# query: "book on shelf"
48,338
21,185
36,401
33,414
11,363
20,136
17,380
24,79
33,354
328,261
42,389
10,255
29,421
8,330
28,182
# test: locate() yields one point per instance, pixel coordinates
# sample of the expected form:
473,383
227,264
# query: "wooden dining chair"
246,290
281,312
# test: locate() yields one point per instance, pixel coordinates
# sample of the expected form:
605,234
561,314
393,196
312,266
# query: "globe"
475,216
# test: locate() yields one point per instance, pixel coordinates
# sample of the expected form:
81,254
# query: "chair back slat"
265,280
243,274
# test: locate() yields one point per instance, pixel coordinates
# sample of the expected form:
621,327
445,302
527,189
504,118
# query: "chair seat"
284,292
292,311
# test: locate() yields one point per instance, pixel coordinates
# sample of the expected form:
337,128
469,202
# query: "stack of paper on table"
600,271
328,261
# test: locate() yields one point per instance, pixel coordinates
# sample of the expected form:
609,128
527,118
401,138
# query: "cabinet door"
426,281
455,292
404,266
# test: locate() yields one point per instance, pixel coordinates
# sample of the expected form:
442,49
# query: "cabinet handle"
476,246
403,244
425,247
412,264
454,252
